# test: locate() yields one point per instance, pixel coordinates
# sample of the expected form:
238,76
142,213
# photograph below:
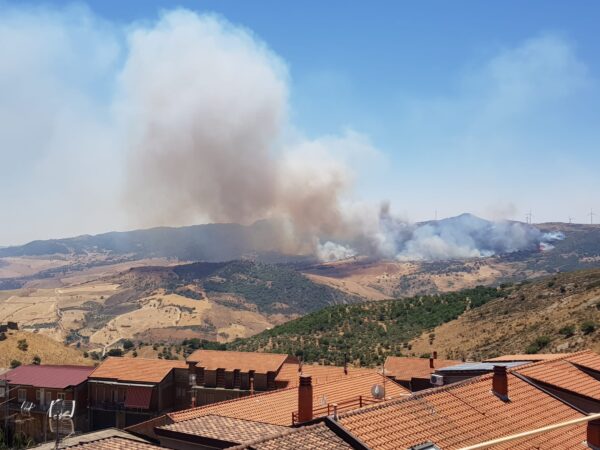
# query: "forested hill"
366,332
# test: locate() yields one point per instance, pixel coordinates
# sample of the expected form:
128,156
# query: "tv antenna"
528,217
570,220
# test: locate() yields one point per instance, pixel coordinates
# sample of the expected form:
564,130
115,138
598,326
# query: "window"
60,396
181,392
38,394
2,392
22,395
48,398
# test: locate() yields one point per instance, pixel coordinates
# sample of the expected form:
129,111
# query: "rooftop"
565,373
453,416
114,443
228,429
136,369
243,361
312,437
288,376
46,376
276,407
480,366
528,357
92,437
404,369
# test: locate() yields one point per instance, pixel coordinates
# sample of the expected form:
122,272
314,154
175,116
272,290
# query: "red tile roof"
134,370
276,407
403,369
313,437
228,429
565,376
288,375
243,361
114,443
457,415
533,357
46,376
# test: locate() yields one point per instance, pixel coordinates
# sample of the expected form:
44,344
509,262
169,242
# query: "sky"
438,108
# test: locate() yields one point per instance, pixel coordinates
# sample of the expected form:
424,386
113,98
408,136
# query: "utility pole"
570,220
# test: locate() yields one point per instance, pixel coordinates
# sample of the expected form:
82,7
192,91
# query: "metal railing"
342,406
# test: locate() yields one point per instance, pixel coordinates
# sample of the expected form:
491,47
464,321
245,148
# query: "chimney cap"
305,380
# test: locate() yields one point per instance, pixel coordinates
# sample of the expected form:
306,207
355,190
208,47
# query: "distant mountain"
212,242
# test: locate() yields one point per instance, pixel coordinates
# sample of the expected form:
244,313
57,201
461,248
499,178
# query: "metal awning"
138,397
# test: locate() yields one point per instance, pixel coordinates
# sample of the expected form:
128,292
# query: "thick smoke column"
203,107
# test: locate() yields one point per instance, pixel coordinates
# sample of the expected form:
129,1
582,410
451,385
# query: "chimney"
305,399
434,354
500,382
345,364
593,434
431,365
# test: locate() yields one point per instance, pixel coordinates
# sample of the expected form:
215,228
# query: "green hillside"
366,332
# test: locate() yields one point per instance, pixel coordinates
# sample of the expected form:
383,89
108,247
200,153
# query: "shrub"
95,356
2,336
127,344
15,363
539,343
567,330
36,361
86,354
588,327
134,354
115,352
22,345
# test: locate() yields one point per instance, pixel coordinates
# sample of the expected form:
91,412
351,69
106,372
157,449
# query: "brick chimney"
431,364
305,399
434,354
500,382
593,434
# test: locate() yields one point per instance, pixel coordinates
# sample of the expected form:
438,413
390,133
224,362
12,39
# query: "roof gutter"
529,433
121,383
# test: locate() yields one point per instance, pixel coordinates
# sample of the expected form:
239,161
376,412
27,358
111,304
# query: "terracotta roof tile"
586,358
313,437
569,438
224,428
288,375
276,407
404,369
563,374
533,357
114,443
244,361
138,370
457,415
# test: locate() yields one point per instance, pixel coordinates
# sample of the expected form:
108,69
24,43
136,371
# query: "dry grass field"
548,315
49,350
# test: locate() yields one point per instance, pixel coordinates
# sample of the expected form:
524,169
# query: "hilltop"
556,314
23,346
366,333
560,313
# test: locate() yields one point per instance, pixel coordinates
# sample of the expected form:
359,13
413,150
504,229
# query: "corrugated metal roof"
46,376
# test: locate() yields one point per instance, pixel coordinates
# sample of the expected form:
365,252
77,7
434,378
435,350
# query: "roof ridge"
564,357
126,438
290,430
225,417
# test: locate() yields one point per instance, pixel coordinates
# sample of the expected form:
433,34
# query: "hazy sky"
489,108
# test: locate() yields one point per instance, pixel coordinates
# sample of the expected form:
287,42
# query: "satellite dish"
377,391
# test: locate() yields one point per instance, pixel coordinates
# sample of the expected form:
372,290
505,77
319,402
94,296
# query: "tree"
15,363
36,361
22,345
588,327
127,344
115,352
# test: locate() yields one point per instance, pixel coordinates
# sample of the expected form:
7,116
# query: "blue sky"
486,107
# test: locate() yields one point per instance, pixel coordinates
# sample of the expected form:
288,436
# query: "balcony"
342,406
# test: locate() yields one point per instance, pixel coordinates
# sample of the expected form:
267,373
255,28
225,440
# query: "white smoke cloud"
195,109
